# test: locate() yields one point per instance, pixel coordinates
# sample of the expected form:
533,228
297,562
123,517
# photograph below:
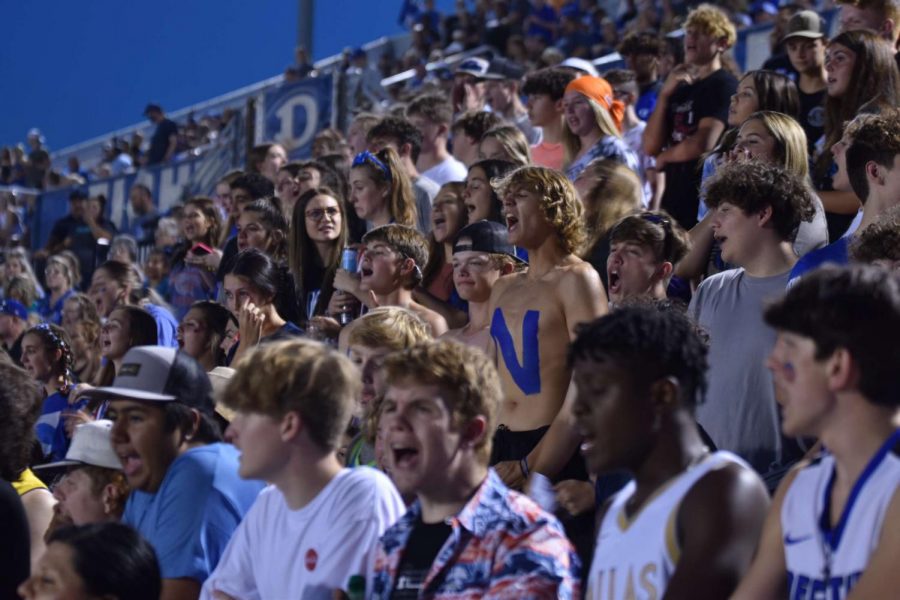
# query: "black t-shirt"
812,117
688,105
81,241
15,351
422,547
15,551
159,143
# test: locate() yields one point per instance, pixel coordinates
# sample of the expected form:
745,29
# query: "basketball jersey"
636,557
824,562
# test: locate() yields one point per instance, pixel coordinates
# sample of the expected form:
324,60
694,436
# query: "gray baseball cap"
805,24
159,374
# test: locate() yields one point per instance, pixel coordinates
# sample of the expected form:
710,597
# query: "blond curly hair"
560,202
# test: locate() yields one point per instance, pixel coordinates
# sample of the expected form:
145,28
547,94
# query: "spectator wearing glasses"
318,235
60,287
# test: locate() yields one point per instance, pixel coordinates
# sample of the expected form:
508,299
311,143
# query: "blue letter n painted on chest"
526,374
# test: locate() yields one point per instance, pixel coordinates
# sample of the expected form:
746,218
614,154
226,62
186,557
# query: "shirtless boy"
392,266
534,313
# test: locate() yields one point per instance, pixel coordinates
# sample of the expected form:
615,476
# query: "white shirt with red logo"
308,553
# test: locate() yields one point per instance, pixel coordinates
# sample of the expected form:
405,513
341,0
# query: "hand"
75,418
575,496
210,261
220,595
738,154
511,473
346,281
250,323
677,76
78,391
340,303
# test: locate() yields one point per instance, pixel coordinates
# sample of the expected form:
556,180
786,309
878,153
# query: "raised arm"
657,132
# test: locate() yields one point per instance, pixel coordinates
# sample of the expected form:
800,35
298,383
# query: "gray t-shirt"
740,412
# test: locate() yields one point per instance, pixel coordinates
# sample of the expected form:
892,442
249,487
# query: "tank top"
636,557
824,561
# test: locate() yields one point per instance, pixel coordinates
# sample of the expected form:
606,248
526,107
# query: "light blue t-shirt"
199,504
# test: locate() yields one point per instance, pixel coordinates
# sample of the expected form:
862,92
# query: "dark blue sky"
81,68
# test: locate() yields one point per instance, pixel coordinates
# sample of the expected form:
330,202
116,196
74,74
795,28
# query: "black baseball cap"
159,374
485,236
501,69
152,108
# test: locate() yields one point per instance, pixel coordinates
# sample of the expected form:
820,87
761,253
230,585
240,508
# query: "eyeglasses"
317,214
666,225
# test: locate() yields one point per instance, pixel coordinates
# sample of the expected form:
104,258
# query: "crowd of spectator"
169,141
539,333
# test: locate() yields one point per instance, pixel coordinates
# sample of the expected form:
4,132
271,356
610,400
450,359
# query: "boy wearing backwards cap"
692,110
481,255
187,497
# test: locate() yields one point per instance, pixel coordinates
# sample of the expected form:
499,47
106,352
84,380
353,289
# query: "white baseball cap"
91,445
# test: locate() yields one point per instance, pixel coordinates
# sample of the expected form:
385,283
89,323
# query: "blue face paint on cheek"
789,372
526,374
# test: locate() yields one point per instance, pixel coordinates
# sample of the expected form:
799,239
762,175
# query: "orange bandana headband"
599,90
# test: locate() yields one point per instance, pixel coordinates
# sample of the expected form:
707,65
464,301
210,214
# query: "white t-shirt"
447,171
278,553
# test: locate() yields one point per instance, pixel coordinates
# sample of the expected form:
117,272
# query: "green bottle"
356,588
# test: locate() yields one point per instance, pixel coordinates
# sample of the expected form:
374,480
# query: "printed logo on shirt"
312,558
816,117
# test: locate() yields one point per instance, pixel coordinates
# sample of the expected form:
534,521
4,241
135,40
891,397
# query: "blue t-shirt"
50,427
646,102
199,504
53,314
166,325
835,253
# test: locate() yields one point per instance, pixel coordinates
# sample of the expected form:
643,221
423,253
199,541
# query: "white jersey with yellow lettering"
635,557
824,562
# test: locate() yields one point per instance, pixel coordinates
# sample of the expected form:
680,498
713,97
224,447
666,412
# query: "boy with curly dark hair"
758,208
